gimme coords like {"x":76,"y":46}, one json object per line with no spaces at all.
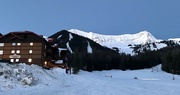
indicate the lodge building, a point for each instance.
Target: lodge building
{"x":27,"y":47}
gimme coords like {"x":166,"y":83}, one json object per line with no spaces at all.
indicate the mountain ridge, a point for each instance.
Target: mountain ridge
{"x":72,"y":41}
{"x":123,"y":43}
{"x":126,"y":43}
{"x":138,"y":38}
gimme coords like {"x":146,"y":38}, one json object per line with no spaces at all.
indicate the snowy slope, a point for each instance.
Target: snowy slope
{"x":56,"y":82}
{"x":122,"y":42}
{"x":139,"y":38}
{"x":176,"y":40}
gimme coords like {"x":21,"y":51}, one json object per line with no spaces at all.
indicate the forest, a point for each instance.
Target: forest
{"x":169,"y":57}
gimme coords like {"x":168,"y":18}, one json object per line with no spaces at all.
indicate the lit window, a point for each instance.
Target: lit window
{"x":18,"y":44}
{"x":12,"y":51}
{"x":45,"y":63}
{"x":17,"y":51}
{"x":1,"y":52}
{"x":29,"y":60}
{"x":1,"y":44}
{"x":30,"y":51}
{"x":17,"y":60}
{"x":31,"y":44}
{"x":13,"y":44}
{"x":12,"y":60}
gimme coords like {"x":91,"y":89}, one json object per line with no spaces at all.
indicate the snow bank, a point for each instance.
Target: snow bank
{"x":22,"y":79}
{"x":22,"y":75}
{"x":12,"y":75}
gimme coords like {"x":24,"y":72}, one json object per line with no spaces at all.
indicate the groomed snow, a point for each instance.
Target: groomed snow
{"x":89,"y":49}
{"x":59,"y":36}
{"x":68,"y":47}
{"x":70,"y":37}
{"x":113,"y":82}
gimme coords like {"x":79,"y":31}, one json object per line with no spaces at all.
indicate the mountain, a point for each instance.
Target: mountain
{"x":74,"y":42}
{"x":125,"y":43}
{"x":86,"y":53}
{"x":139,"y":38}
{"x":105,"y":52}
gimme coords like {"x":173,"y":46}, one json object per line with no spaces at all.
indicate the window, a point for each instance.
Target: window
{"x":30,"y":51}
{"x":18,"y":44}
{"x":17,"y":51}
{"x":12,"y":60}
{"x":1,"y":44}
{"x":13,"y":44}
{"x":45,"y":63}
{"x":12,"y":51}
{"x":31,"y":44}
{"x":17,"y":60}
{"x":29,"y":60}
{"x":1,"y":52}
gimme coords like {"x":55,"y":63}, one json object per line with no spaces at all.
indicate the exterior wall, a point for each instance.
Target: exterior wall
{"x":25,"y":47}
{"x":22,"y":52}
{"x":30,"y":48}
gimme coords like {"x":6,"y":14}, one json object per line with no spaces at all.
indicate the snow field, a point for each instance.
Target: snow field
{"x":56,"y":82}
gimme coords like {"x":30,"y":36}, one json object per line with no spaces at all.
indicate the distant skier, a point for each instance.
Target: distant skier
{"x":68,"y":70}
{"x":135,"y":78}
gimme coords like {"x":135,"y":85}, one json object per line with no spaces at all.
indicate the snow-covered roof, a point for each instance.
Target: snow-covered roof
{"x":60,"y":49}
{"x":59,"y":62}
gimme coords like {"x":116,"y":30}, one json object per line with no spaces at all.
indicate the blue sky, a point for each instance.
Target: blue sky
{"x":114,"y":17}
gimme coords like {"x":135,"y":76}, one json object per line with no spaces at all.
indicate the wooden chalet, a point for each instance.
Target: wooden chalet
{"x":26,"y":47}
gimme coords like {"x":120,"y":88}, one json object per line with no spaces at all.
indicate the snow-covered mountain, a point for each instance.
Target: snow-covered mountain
{"x":126,"y":43}
{"x":74,"y":42}
{"x":139,"y":38}
{"x":123,"y":42}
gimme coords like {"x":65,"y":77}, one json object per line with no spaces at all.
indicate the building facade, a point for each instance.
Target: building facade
{"x":25,"y":47}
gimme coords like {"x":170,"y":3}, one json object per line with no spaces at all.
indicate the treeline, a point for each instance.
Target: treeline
{"x":107,"y":60}
{"x":169,"y":57}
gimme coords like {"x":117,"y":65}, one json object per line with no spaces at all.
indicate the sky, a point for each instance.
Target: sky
{"x":111,"y":17}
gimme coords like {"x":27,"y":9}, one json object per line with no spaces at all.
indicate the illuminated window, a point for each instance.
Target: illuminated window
{"x":12,"y":60}
{"x":30,"y":51}
{"x":13,"y":44}
{"x":1,"y":52}
{"x":18,"y":44}
{"x":17,"y":51}
{"x":31,"y":44}
{"x":45,"y":63}
{"x":1,"y":44}
{"x":29,"y":60}
{"x":17,"y":60}
{"x":12,"y":51}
